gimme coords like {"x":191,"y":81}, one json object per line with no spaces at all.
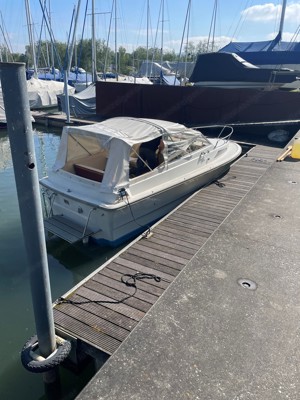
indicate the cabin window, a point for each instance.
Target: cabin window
{"x":86,"y":157}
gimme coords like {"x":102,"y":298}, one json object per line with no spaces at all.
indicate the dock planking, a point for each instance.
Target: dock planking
{"x":95,"y":318}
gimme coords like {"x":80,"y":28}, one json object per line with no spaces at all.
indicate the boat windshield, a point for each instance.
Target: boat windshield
{"x":184,"y":142}
{"x":175,"y":146}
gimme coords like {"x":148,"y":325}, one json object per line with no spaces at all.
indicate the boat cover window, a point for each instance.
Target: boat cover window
{"x":184,"y":142}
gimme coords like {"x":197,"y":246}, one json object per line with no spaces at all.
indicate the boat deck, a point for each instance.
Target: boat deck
{"x":100,"y":314}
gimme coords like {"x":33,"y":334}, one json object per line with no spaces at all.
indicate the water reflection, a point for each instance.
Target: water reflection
{"x":5,"y":155}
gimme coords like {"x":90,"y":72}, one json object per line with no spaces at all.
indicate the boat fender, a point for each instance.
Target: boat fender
{"x":34,"y":362}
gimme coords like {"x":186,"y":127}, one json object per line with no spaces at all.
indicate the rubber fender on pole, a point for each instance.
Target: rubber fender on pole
{"x":33,"y":362}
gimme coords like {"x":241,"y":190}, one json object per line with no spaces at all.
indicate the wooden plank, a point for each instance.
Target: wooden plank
{"x":210,"y":213}
{"x":121,"y":308}
{"x":254,"y":163}
{"x":126,"y":262}
{"x":157,"y":267}
{"x":154,"y":261}
{"x":242,"y":177}
{"x":241,"y":187}
{"x":225,"y":192}
{"x":163,"y":229}
{"x":211,"y":204}
{"x":105,"y":312}
{"x":159,"y":253}
{"x":115,"y":284}
{"x":127,"y":267}
{"x":114,"y":295}
{"x":144,"y":285}
{"x":158,"y":235}
{"x":219,"y":195}
{"x":83,"y":314}
{"x":167,"y":248}
{"x":162,"y":243}
{"x":200,"y":231}
{"x":191,"y":217}
{"x":245,"y":168}
{"x":194,"y":221}
{"x":84,"y":332}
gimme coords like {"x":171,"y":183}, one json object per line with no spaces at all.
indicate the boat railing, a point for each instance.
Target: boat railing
{"x":222,"y":129}
{"x":48,"y":200}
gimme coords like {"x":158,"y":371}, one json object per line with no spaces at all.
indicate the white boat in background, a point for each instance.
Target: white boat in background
{"x":3,"y":122}
{"x":94,"y":192}
{"x":43,"y":94}
{"x":83,"y":102}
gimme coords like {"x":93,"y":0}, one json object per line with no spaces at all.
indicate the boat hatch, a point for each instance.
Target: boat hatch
{"x":66,"y":229}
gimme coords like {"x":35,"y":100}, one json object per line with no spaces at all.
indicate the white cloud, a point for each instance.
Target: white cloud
{"x":292,"y":12}
{"x":270,"y":12}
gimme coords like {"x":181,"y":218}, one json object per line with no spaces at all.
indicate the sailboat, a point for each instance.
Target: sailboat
{"x":270,"y":53}
{"x":41,"y":93}
{"x":228,"y":70}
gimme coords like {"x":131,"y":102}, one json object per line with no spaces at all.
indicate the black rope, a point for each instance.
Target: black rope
{"x":123,"y":194}
{"x":129,"y":280}
{"x":218,"y":183}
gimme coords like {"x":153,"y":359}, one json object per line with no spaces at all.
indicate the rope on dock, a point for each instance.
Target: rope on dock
{"x":130,"y":281}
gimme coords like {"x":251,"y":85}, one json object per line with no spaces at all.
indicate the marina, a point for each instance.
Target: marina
{"x":150,"y":220}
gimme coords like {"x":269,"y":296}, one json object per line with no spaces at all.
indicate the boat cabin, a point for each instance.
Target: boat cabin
{"x":108,"y":152}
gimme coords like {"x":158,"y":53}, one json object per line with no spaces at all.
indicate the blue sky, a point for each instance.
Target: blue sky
{"x":243,"y":20}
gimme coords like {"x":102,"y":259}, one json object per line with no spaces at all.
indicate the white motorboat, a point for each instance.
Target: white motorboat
{"x":94,"y":190}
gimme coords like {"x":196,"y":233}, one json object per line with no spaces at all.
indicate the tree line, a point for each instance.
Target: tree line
{"x":127,"y":63}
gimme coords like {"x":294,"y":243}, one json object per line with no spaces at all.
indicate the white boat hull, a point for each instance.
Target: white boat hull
{"x":82,"y":205}
{"x":114,"y":226}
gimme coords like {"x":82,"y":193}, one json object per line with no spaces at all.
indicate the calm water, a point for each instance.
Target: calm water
{"x":67,"y":266}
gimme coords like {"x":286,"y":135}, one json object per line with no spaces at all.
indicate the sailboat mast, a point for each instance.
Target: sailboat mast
{"x":116,"y":48}
{"x":29,"y":23}
{"x":187,"y":38}
{"x":162,"y":38}
{"x":283,"y":8}
{"x":147,"y":53}
{"x":94,"y":64}
{"x":70,"y":53}
{"x":162,"y":32}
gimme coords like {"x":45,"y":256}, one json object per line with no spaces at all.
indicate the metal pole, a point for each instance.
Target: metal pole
{"x":116,"y":48}
{"x":31,"y":39}
{"x":94,"y":61}
{"x":19,"y":128}
{"x":66,"y":92}
{"x":70,"y":52}
{"x":283,"y":8}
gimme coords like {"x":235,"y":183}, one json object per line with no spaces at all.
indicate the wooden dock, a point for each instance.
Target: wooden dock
{"x":173,"y":243}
